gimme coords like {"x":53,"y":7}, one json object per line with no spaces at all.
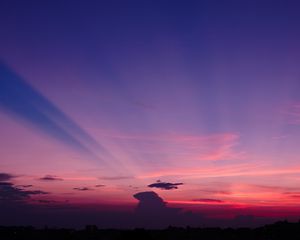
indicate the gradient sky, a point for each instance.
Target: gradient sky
{"x":99,"y":99}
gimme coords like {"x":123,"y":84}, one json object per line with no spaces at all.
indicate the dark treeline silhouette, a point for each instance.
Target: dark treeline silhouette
{"x":278,"y":230}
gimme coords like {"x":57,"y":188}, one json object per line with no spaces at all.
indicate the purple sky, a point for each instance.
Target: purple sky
{"x":197,"y":101}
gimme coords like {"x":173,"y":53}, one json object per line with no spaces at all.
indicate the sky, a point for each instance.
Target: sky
{"x":188,"y":108}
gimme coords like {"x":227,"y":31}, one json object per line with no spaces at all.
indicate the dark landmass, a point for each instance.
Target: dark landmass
{"x":278,"y":230}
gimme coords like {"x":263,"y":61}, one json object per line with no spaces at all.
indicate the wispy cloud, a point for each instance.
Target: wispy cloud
{"x":233,"y":170}
{"x":82,"y":189}
{"x":177,"y":146}
{"x":143,"y":105}
{"x":116,"y":178}
{"x":207,"y":200}
{"x":50,"y":178}
{"x":292,"y":113}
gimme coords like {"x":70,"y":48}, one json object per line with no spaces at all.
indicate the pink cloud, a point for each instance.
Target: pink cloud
{"x":183,"y":146}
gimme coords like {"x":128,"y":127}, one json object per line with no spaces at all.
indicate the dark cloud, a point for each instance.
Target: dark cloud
{"x":150,"y":203}
{"x":165,"y":185}
{"x":50,"y":178}
{"x":46,"y":201}
{"x":5,"y":177}
{"x":6,"y":184}
{"x":208,"y":200}
{"x":25,"y":186}
{"x":149,"y":200}
{"x":152,"y":211}
{"x":100,"y":185}
{"x":82,"y":189}
{"x":10,"y":193}
{"x":116,"y":178}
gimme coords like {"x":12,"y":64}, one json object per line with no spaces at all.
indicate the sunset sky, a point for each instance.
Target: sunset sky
{"x":198,"y":99}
